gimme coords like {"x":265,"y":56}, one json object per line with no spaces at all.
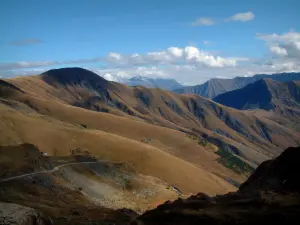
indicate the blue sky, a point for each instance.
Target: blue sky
{"x":211,"y":38}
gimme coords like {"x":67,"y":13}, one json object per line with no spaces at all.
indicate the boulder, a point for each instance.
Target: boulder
{"x":14,"y":214}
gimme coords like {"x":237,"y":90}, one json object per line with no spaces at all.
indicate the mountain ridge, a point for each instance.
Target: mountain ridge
{"x":221,"y":125}
{"x":217,"y":86}
{"x":151,"y":145}
{"x":163,"y":83}
{"x":267,"y":94}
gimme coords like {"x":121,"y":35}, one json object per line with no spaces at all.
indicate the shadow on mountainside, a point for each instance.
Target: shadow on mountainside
{"x":271,"y":195}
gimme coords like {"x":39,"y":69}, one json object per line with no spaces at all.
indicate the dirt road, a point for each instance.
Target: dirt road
{"x":46,"y":171}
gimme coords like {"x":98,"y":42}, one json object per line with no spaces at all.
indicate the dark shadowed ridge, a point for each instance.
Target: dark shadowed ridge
{"x":74,"y":76}
{"x":6,"y":89}
{"x":279,"y":175}
{"x":264,"y":94}
{"x":270,"y":196}
{"x":82,"y":88}
{"x":256,"y":95}
{"x":214,"y":87}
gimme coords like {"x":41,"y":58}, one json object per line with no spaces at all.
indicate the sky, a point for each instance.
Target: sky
{"x":188,"y":40}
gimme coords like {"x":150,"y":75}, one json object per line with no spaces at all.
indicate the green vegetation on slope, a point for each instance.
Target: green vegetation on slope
{"x":227,"y":159}
{"x":233,"y":162}
{"x":203,"y":142}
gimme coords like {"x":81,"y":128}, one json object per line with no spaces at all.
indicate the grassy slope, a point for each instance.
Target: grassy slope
{"x":184,"y":112}
{"x":56,"y":137}
{"x":168,"y":140}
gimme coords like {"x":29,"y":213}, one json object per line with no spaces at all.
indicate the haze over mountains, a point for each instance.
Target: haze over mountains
{"x":167,"y":84}
{"x":210,"y":89}
{"x":215,"y":86}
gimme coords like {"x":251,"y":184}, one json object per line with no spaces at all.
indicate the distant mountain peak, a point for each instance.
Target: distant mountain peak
{"x":72,"y":75}
{"x":217,"y":86}
{"x":163,"y":83}
{"x":140,"y":78}
{"x":267,"y":94}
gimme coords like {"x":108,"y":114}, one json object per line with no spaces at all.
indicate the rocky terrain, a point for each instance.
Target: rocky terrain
{"x":97,"y":147}
{"x":16,"y":214}
{"x":270,"y":196}
{"x":73,"y":188}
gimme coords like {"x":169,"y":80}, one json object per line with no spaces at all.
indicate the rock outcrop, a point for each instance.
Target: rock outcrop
{"x":271,"y":195}
{"x":278,"y":175}
{"x":14,"y":214}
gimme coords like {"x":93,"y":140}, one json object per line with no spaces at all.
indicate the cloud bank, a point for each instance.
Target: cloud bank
{"x":189,"y":64}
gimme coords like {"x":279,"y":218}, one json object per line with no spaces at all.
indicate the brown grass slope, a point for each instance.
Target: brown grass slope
{"x":168,"y":140}
{"x":247,"y":135}
{"x":57,"y":137}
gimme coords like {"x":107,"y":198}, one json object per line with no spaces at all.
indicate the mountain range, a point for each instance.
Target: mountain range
{"x":249,"y":135}
{"x":215,"y":86}
{"x":265,"y":94}
{"x":163,"y":83}
{"x":95,"y":144}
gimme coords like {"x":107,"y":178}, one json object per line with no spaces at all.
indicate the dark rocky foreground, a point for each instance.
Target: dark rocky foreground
{"x":271,"y":195}
{"x":16,"y":214}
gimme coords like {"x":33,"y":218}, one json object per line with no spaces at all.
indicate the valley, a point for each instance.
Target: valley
{"x":101,"y":146}
{"x":149,"y":112}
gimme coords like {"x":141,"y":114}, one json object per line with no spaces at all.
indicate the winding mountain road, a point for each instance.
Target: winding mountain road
{"x":45,"y":171}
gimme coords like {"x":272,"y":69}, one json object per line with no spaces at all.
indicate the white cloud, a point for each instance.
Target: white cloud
{"x":242,"y":17}
{"x":193,"y":54}
{"x":176,"y":52}
{"x":284,"y":45}
{"x":286,"y":37}
{"x":122,"y":74}
{"x":114,"y":56}
{"x":203,"y":21}
{"x":188,"y":55}
{"x":280,"y":66}
{"x":158,"y":57}
{"x":189,"y":64}
{"x":278,"y":50}
{"x":24,"y":64}
{"x":186,"y":73}
{"x":171,"y":56}
{"x":110,"y":77}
